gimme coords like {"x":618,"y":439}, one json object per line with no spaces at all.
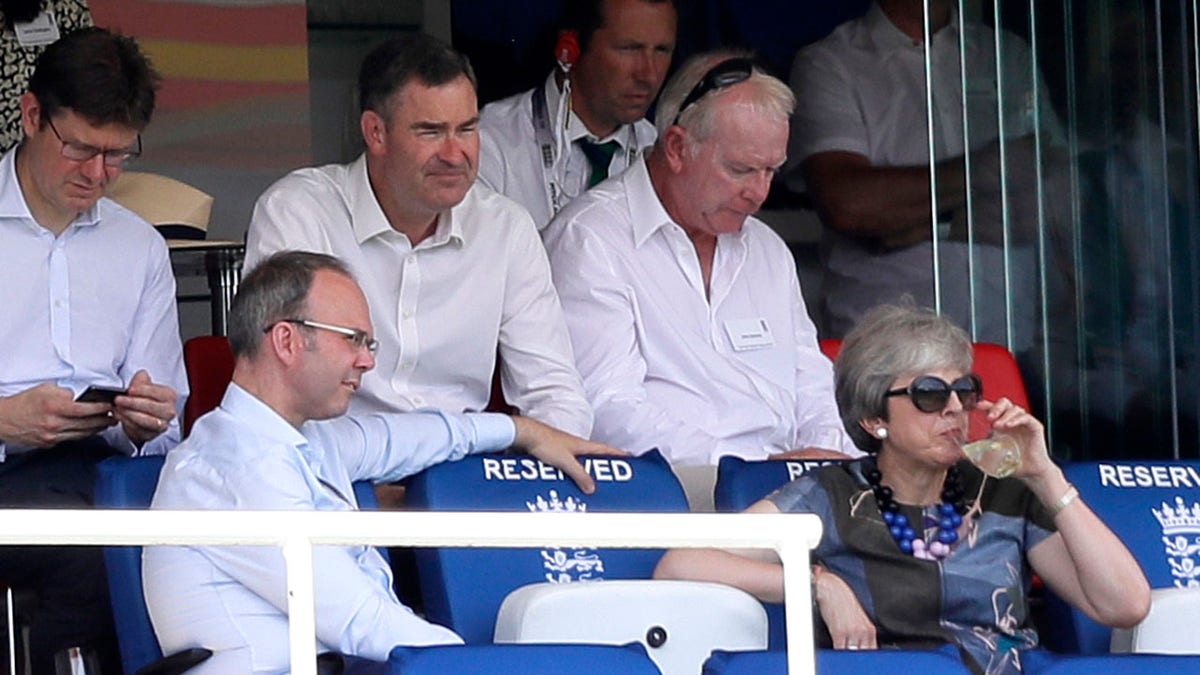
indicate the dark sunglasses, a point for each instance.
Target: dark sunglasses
{"x":931,"y":394}
{"x":724,"y":74}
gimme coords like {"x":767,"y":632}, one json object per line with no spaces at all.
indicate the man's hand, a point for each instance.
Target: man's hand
{"x":560,"y":449}
{"x":146,"y":409}
{"x":47,"y":415}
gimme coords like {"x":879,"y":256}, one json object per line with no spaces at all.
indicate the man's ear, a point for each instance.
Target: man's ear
{"x":675,"y":147}
{"x":374,"y":131}
{"x":286,"y":341}
{"x":31,"y":113}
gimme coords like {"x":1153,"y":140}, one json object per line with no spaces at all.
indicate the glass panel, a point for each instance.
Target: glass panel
{"x":1077,"y":245}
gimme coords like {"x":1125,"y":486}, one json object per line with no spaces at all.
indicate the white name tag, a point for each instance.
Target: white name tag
{"x":41,"y":31}
{"x":746,"y":334}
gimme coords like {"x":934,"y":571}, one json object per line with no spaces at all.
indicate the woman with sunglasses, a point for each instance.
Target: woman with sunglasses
{"x":920,"y":548}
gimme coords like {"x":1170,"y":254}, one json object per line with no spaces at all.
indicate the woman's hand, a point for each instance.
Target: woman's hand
{"x":1009,"y":418}
{"x":849,"y":626}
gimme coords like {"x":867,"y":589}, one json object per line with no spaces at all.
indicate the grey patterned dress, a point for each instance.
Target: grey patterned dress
{"x":16,"y":64}
{"x":975,"y":598}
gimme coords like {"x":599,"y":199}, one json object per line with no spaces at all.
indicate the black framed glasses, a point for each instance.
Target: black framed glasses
{"x":931,"y":394}
{"x":82,"y":152}
{"x":359,"y":338}
{"x":725,"y":74}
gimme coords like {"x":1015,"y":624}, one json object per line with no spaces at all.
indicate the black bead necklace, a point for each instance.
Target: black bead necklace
{"x":949,"y":516}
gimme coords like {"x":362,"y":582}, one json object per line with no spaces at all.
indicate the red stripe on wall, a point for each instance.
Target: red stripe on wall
{"x":281,"y":24}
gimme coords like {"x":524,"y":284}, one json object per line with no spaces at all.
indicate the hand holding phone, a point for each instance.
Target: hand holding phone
{"x":99,"y":395}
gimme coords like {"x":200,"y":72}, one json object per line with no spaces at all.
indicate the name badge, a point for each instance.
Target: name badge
{"x":747,"y":334}
{"x":41,"y":31}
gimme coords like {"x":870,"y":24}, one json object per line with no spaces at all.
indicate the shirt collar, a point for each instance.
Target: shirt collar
{"x":243,"y":405}
{"x":12,"y":200}
{"x":646,"y":210}
{"x":368,"y":219}
{"x":886,"y":38}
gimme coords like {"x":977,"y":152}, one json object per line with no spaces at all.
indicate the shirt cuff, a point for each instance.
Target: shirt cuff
{"x":493,"y":431}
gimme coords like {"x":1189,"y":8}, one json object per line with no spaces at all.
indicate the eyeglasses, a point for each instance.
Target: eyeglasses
{"x":82,"y":152}
{"x":931,"y":394}
{"x":724,"y":74}
{"x":358,"y":338}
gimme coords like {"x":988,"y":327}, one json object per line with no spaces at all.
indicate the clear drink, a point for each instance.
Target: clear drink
{"x":998,"y":455}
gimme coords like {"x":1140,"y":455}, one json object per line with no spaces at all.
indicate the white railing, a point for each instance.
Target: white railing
{"x":296,"y":532}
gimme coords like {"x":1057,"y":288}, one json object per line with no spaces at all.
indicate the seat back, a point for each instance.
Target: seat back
{"x":942,"y":661}
{"x":742,"y":482}
{"x":208,"y":360}
{"x":1043,"y":662}
{"x":129,"y":483}
{"x":998,"y":369}
{"x":680,"y":622}
{"x":1154,"y":508}
{"x":463,"y":588}
{"x":521,"y":659}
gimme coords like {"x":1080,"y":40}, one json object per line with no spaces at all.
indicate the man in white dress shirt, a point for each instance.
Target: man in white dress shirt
{"x":685,"y":311}
{"x":301,"y":334}
{"x":545,"y":146}
{"x":860,"y":140}
{"x":453,"y":271}
{"x":89,"y":300}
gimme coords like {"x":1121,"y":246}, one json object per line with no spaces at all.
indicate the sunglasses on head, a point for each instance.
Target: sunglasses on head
{"x":725,"y":74}
{"x":931,"y":394}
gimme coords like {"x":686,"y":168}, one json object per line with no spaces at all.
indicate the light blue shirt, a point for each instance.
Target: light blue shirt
{"x":243,"y":455}
{"x":90,"y":307}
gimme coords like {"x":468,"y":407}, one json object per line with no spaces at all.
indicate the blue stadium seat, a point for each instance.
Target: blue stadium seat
{"x":1154,"y":507}
{"x":942,"y":661}
{"x":129,"y":483}
{"x":522,"y":659}
{"x":1042,"y":662}
{"x":742,"y":482}
{"x":463,"y":588}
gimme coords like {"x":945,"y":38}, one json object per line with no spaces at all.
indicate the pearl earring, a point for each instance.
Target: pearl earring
{"x":881,"y":433}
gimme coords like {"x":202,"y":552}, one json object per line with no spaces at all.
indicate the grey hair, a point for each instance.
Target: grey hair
{"x":889,"y":342}
{"x":276,"y":289}
{"x":769,"y":95}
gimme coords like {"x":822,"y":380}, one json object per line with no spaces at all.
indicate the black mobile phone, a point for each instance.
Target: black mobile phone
{"x":99,"y":395}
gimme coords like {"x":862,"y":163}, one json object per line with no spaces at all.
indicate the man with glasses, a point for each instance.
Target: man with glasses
{"x":89,"y":301}
{"x":301,"y":334}
{"x":455,"y":273}
{"x":544,"y":147}
{"x":685,"y":312}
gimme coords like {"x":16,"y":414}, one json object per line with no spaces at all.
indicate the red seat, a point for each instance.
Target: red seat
{"x":208,"y":360}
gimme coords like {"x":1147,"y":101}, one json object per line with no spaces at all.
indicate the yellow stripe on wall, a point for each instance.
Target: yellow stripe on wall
{"x":228,"y":63}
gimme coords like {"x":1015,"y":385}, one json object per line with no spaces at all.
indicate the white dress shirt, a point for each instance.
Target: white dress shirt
{"x":862,"y":90}
{"x":510,"y":155}
{"x":90,"y":307}
{"x":439,"y":309}
{"x":243,"y":455}
{"x":666,"y":367}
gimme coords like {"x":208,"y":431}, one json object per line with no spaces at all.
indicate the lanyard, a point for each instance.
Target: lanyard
{"x":543,"y":133}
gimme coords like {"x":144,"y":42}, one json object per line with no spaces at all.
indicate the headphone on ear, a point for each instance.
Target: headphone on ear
{"x":566,"y":50}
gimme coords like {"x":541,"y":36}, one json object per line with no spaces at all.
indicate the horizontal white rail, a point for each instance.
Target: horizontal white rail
{"x":296,"y":532}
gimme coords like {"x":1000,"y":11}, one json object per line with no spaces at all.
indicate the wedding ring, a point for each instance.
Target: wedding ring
{"x":852,"y":648}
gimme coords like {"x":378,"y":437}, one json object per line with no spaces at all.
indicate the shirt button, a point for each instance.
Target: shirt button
{"x":418,"y":400}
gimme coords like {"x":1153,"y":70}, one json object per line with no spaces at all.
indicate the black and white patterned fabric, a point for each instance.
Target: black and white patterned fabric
{"x":16,"y":64}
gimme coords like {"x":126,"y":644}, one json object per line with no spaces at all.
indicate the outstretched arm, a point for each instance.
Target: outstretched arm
{"x":1084,"y":562}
